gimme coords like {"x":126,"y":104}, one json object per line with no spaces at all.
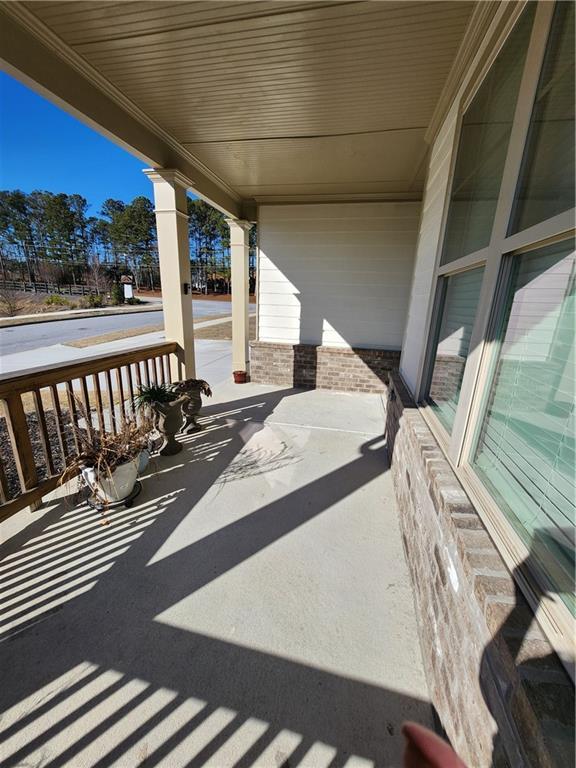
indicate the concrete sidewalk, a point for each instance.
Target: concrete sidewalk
{"x":60,"y":354}
{"x":253,"y":609}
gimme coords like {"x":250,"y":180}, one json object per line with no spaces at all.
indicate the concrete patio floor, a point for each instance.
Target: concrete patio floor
{"x":253,"y":609}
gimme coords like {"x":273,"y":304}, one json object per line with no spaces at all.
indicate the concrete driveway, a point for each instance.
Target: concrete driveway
{"x":254,"y":608}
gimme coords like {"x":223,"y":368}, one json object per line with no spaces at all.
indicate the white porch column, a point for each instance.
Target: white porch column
{"x":239,"y":250}
{"x":171,"y":210}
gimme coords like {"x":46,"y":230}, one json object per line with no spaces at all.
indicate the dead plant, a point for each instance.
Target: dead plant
{"x":104,"y":451}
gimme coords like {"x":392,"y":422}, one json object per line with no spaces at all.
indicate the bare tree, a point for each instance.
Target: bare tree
{"x":98,"y":278}
{"x":11,"y":302}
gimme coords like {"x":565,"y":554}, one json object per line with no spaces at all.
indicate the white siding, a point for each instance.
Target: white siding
{"x":335,"y":274}
{"x":422,"y":293}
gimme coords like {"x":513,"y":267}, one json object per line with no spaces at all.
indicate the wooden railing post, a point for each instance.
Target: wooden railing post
{"x":20,"y":440}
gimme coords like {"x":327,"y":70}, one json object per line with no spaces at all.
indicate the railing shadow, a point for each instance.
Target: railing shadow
{"x":93,"y":677}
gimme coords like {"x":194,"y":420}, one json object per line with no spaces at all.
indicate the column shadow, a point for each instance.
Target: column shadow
{"x":112,"y":627}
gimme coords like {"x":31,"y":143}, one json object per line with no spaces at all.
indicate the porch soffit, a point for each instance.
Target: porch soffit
{"x":277,"y":99}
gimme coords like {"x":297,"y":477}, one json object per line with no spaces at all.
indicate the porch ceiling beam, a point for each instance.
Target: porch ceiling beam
{"x":49,"y":67}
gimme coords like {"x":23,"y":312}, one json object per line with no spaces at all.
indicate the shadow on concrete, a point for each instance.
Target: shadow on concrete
{"x":85,"y":657}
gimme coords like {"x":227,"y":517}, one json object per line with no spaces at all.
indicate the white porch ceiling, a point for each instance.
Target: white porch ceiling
{"x":279,"y":99}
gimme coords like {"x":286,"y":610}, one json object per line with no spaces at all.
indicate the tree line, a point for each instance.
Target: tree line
{"x":51,"y":237}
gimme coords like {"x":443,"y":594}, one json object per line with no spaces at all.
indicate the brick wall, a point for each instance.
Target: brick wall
{"x":309,"y":366}
{"x":501,"y":694}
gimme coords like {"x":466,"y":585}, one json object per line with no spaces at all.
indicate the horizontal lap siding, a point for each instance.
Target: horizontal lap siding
{"x":422,"y":292}
{"x":336,"y":274}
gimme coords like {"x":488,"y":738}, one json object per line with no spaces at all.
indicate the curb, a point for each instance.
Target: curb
{"x":51,"y":317}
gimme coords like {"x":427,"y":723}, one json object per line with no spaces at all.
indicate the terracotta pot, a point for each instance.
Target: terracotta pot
{"x":240,"y":377}
{"x":168,"y":420}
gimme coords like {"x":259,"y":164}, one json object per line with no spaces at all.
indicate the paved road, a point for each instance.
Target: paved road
{"x":22,"y":338}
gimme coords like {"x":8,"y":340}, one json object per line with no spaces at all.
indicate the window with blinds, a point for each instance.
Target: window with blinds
{"x":460,"y":300}
{"x":525,"y":449}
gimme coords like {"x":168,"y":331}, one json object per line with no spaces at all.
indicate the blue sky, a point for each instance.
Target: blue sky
{"x":43,"y":147}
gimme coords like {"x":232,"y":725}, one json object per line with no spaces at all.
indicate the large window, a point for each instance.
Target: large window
{"x":484,"y":138}
{"x":525,"y":450}
{"x":501,"y":374}
{"x":546,"y":184}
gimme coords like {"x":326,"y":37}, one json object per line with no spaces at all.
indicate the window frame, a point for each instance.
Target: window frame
{"x":497,"y":259}
{"x":435,"y":327}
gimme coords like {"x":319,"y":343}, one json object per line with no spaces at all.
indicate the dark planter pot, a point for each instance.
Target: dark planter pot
{"x":168,"y":421}
{"x":191,"y":405}
{"x":240,"y":377}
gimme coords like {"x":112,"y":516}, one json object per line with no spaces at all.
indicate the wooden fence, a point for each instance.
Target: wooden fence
{"x":40,"y":415}
{"x":21,"y":286}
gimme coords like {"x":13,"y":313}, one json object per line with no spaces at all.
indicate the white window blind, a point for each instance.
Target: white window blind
{"x":525,"y":451}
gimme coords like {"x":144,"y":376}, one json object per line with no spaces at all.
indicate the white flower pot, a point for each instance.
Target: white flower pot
{"x":116,"y":487}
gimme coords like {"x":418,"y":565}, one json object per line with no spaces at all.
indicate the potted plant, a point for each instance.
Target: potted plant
{"x":109,"y":462}
{"x":170,"y":404}
{"x":164,"y":406}
{"x":191,"y":390}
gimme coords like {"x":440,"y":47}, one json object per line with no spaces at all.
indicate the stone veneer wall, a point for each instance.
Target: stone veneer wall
{"x":500,"y":692}
{"x":309,"y":366}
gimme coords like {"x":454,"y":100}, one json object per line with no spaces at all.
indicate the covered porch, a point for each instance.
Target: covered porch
{"x":254,"y":608}
{"x":322,"y":110}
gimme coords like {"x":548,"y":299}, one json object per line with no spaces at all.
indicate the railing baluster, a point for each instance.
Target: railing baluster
{"x":130,"y":387}
{"x":4,"y":489}
{"x":158,"y":366}
{"x":59,"y":421}
{"x":146,"y":372}
{"x":20,"y":440}
{"x":98,"y":398}
{"x":43,"y":430}
{"x":73,"y":414}
{"x":166,"y":361}
{"x":138,"y":375}
{"x":121,"y":393}
{"x":150,"y":362}
{"x":86,"y":399}
{"x":111,"y":401}
{"x":138,"y":387}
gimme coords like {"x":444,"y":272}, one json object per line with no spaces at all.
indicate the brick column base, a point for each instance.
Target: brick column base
{"x":310,"y":366}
